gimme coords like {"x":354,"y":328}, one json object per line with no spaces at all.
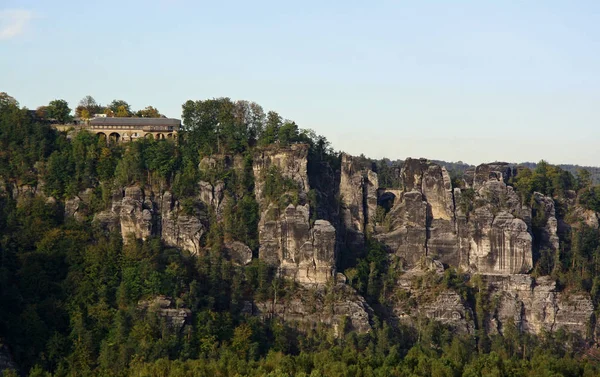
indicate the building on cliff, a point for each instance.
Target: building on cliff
{"x":127,"y":129}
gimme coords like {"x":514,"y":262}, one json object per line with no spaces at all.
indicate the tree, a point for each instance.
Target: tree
{"x":148,"y":112}
{"x":271,"y":132}
{"x":88,"y":103}
{"x":288,"y":133}
{"x":584,"y":178}
{"x":120,"y":108}
{"x":59,"y":110}
{"x":6,"y":100}
{"x":85,"y":114}
{"x":122,"y":112}
{"x":42,"y":112}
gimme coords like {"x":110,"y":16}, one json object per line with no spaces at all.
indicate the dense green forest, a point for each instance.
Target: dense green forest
{"x":71,"y":293}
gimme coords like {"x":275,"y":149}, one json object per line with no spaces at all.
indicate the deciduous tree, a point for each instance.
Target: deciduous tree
{"x":59,"y":110}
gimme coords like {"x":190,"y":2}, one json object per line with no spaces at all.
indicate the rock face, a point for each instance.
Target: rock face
{"x":422,"y":220}
{"x":76,"y":207}
{"x":480,"y":228}
{"x":536,"y":305}
{"x":140,"y":215}
{"x":164,"y":307}
{"x":212,"y":195}
{"x":136,"y":214}
{"x":544,"y":216}
{"x":494,"y":231}
{"x":417,"y":297}
{"x":308,"y":308}
{"x":239,"y":253}
{"x":291,"y":162}
{"x":181,"y":230}
{"x":484,"y":229}
{"x":302,"y":251}
{"x":358,"y":203}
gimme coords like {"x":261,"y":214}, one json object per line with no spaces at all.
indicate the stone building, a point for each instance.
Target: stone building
{"x":128,"y":129}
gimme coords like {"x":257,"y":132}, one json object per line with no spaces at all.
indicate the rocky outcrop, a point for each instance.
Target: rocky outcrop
{"x":301,"y":252}
{"x":545,"y":222}
{"x":493,"y":226}
{"x":301,"y":248}
{"x":422,"y":220}
{"x":78,"y":206}
{"x":140,"y":215}
{"x":212,"y":195}
{"x":407,"y":233}
{"x":450,"y":309}
{"x":136,"y":214}
{"x":484,"y":228}
{"x":418,"y":295}
{"x":164,"y":307}
{"x":495,"y":171}
{"x":179,"y":229}
{"x":358,"y":195}
{"x":336,"y":307}
{"x":238,"y":253}
{"x":291,"y":162}
{"x":535,"y":305}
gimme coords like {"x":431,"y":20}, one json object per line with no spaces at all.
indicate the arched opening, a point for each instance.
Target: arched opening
{"x":169,"y":136}
{"x":149,"y":136}
{"x":160,"y":137}
{"x":114,"y":137}
{"x":101,"y":136}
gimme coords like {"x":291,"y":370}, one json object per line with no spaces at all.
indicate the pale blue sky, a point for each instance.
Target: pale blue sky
{"x":474,"y":81}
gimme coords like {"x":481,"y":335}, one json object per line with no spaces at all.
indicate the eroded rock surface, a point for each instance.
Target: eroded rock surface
{"x":180,"y":229}
{"x":136,"y":214}
{"x":165,"y":308}
{"x":311,"y":307}
{"x":302,"y":252}
{"x":535,"y":305}
{"x":301,"y":248}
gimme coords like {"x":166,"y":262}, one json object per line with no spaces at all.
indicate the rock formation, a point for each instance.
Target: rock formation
{"x":179,"y":229}
{"x":165,"y":308}
{"x":331,"y":306}
{"x":481,"y":227}
{"x":301,"y":249}
{"x":136,"y":214}
{"x":140,"y":215}
{"x":535,"y":305}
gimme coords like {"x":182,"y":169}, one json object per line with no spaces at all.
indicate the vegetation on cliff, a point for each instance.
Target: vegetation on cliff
{"x":71,"y":293}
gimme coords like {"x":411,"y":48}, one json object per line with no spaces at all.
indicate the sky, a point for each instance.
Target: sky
{"x":473,"y":81}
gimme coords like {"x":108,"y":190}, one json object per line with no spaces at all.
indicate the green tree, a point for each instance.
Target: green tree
{"x":271,"y":132}
{"x":120,"y":108}
{"x":88,"y":103}
{"x":148,"y":112}
{"x":59,"y":110}
{"x":6,"y":100}
{"x":288,"y":133}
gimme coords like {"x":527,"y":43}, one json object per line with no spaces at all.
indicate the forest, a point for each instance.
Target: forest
{"x":72,"y":294}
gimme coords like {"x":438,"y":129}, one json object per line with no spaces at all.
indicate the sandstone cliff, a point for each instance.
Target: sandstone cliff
{"x":336,"y":306}
{"x":479,"y":227}
{"x":301,"y":248}
{"x":140,"y":215}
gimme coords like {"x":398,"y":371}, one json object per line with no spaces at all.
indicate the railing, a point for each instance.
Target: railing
{"x":129,"y":127}
{"x":158,"y":128}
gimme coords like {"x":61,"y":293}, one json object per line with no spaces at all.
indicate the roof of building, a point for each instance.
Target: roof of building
{"x":135,"y":122}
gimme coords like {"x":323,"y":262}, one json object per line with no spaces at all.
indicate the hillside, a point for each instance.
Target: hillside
{"x":248,"y":246}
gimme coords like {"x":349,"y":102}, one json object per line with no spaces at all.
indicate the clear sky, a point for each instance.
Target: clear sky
{"x":475,"y":81}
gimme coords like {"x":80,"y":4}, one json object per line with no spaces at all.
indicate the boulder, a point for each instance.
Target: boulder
{"x":238,"y":252}
{"x":164,"y":307}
